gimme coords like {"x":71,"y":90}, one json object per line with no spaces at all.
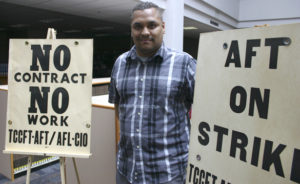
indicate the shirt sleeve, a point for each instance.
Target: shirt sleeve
{"x":190,"y":81}
{"x":113,"y":96}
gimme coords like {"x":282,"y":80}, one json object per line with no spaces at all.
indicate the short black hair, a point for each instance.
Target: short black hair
{"x":146,"y":5}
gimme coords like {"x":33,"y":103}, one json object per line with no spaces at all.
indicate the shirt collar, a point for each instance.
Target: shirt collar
{"x":132,"y":55}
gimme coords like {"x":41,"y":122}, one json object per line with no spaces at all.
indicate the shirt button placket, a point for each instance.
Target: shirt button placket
{"x":138,"y":146}
{"x":136,"y":175}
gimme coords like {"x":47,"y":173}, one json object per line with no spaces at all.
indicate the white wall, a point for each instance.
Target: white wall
{"x":243,"y":13}
{"x":173,"y":17}
{"x":272,"y":12}
{"x":205,"y":11}
{"x":228,"y":14}
{"x":229,"y":7}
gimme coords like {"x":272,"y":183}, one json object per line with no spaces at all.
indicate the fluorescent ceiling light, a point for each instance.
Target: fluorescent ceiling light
{"x":72,"y":31}
{"x":189,"y":28}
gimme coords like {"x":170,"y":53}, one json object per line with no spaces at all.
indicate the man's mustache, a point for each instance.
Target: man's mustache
{"x":146,"y":38}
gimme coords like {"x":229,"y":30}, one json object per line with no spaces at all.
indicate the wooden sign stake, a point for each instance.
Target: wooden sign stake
{"x":29,"y":163}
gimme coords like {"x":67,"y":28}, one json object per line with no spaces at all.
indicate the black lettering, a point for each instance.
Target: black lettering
{"x":64,"y":100}
{"x":85,"y":139}
{"x":250,"y":52}
{"x":29,"y":131}
{"x":54,"y":78}
{"x":238,"y":108}
{"x":41,"y":100}
{"x":73,"y":78}
{"x":46,"y":77}
{"x":191,"y":171}
{"x":41,"y":136}
{"x":274,"y":43}
{"x":52,"y":137}
{"x":65,"y":78}
{"x":69,"y":141}
{"x":241,"y":145}
{"x":196,"y":173}
{"x":46,"y":137}
{"x":54,"y":120}
{"x":202,"y":175}
{"x":44,"y":120}
{"x":204,"y":139}
{"x":255,"y":151}
{"x":295,"y":172}
{"x":214,"y":179}
{"x":206,"y":177}
{"x":16,"y":75}
{"x":270,"y":157}
{"x":32,"y":119}
{"x":233,"y":55}
{"x":24,"y":136}
{"x":221,"y":131}
{"x":26,"y":77}
{"x":59,"y":139}
{"x":63,"y":121}
{"x":262,"y":104}
{"x":66,"y":57}
{"x":10,"y":135}
{"x":20,"y":136}
{"x":36,"y":77}
{"x":81,"y":139}
{"x":15,"y":138}
{"x":64,"y":137}
{"x":37,"y":54}
{"x":36,"y":137}
{"x":224,"y":182}
{"x":82,"y":77}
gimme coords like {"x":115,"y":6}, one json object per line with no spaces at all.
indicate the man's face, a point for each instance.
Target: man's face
{"x":147,"y":31}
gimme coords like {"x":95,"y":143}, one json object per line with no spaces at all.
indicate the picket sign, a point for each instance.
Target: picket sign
{"x":51,"y":34}
{"x":246,"y":110}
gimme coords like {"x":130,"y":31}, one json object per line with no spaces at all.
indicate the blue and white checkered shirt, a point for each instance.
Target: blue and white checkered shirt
{"x":154,"y":98}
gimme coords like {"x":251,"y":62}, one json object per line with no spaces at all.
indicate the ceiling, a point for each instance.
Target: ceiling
{"x":86,"y":18}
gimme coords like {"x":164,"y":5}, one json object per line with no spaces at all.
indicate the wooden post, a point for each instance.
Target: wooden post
{"x":76,"y":170}
{"x":12,"y":167}
{"x":51,"y":34}
{"x":29,"y":163}
{"x":62,"y":170}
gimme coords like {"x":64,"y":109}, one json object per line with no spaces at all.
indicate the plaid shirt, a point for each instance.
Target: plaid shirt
{"x":154,"y":98}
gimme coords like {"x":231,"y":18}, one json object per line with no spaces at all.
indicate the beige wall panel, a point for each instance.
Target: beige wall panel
{"x":101,"y":166}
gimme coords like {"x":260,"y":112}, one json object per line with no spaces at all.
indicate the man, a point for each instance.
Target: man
{"x":152,"y":89}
